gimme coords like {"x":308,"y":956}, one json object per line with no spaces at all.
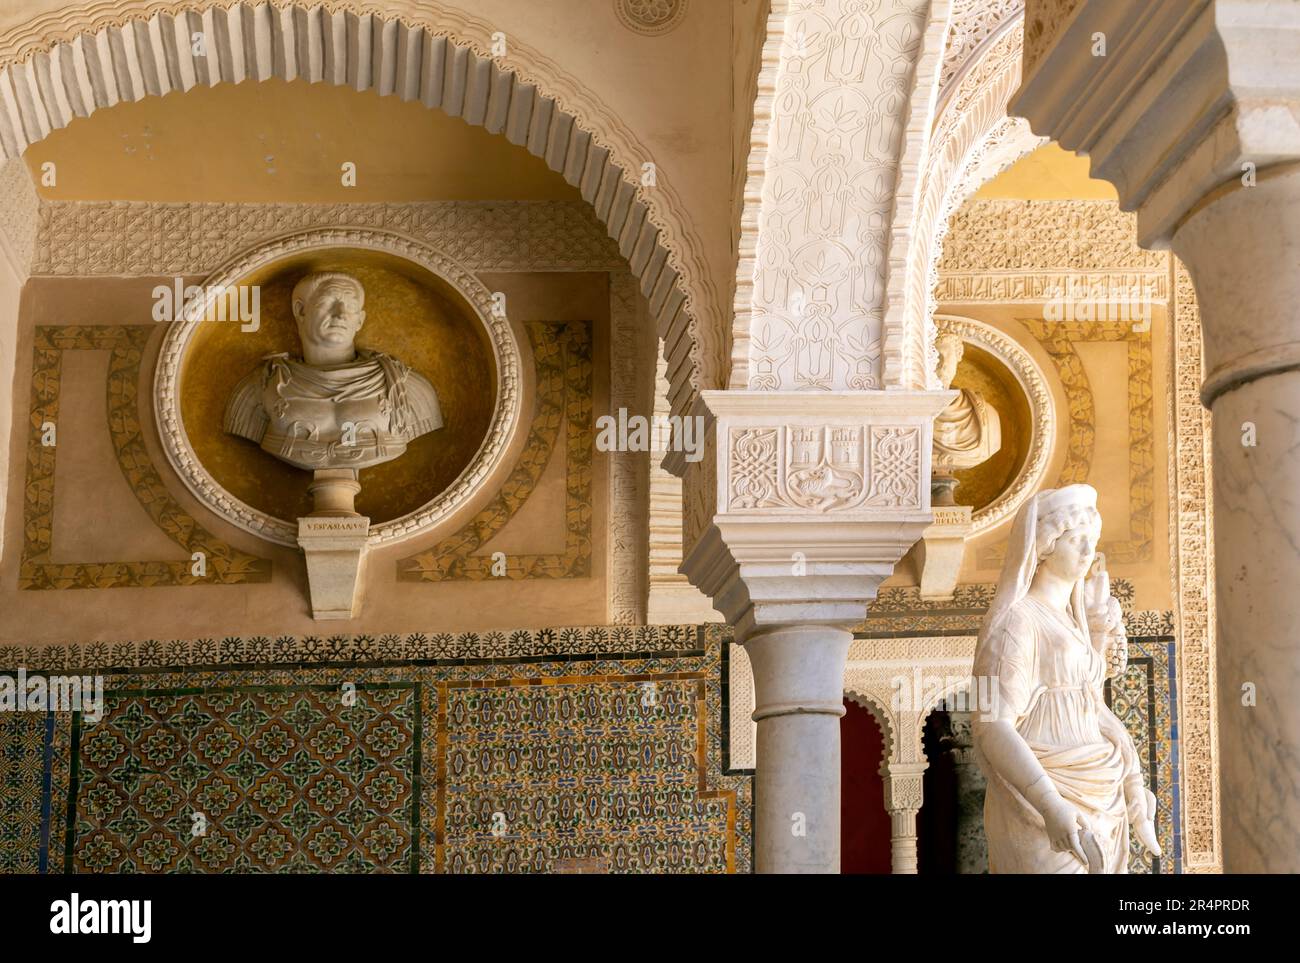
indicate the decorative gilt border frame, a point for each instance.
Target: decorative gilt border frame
{"x":1059,"y":340}
{"x":564,"y":389}
{"x":487,"y":461}
{"x":227,"y":565}
{"x":1030,"y":377}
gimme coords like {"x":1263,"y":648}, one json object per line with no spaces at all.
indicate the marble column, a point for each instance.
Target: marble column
{"x":972,"y":848}
{"x":798,"y":688}
{"x":1242,"y":250}
{"x":1204,"y":143}
{"x":903,"y":797}
{"x":814,"y":499}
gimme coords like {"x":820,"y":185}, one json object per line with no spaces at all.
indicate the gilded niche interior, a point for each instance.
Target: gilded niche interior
{"x":980,"y":372}
{"x":410,"y":314}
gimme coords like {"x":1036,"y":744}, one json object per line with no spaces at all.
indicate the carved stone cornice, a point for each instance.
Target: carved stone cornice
{"x":817,"y":497}
{"x":1187,"y":92}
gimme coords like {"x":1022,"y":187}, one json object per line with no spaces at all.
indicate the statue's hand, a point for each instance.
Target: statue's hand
{"x":1142,"y":815}
{"x":1064,"y":823}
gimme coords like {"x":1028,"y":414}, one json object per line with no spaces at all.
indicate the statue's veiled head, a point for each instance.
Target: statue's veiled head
{"x":329,"y":310}
{"x":950,"y":348}
{"x":1067,"y":532}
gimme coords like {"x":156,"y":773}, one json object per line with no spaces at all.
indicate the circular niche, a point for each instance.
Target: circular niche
{"x":1003,"y":372}
{"x":983,"y":374}
{"x":421,"y":308}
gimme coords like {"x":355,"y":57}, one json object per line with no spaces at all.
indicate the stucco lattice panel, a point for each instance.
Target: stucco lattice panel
{"x":84,"y":238}
{"x":1004,"y":234}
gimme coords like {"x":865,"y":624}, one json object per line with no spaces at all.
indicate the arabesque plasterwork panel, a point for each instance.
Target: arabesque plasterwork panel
{"x":838,"y":126}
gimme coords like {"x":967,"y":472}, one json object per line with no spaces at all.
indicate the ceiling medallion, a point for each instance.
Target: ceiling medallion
{"x":650,"y":17}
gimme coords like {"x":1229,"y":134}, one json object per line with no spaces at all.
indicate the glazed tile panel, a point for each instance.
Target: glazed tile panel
{"x":248,"y":779}
{"x":552,"y":758}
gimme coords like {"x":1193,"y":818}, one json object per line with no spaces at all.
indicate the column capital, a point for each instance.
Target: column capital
{"x":815,"y":496}
{"x":1185,"y":93}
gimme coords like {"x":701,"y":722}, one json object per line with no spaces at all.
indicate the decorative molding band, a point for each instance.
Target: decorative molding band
{"x":972,"y":25}
{"x":564,"y":389}
{"x":1039,"y":287}
{"x":224,"y":564}
{"x":86,"y":238}
{"x":904,"y":348}
{"x":502,"y":646}
{"x":486,"y":463}
{"x":967,"y":113}
{"x":1059,"y":340}
{"x":1191,"y":527}
{"x":60,"y":66}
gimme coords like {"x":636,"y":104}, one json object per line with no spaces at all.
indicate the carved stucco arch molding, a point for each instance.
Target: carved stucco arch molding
{"x":885,"y":719}
{"x":822,"y":148}
{"x":876,"y":672}
{"x":69,"y":63}
{"x":1042,"y":408}
{"x":971,"y":141}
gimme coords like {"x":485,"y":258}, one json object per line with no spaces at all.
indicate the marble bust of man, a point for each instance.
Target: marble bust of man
{"x":968,"y":431}
{"x":336,"y":407}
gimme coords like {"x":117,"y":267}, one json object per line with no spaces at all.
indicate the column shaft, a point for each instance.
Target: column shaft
{"x":798,"y":695}
{"x":1242,"y":249}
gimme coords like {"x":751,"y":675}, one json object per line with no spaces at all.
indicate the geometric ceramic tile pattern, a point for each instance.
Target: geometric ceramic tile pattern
{"x":582,"y":750}
{"x":33,"y":758}
{"x":1143,"y":698}
{"x":248,"y":779}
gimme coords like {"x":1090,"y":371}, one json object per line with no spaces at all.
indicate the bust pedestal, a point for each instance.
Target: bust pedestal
{"x":333,"y":539}
{"x":940,"y":551}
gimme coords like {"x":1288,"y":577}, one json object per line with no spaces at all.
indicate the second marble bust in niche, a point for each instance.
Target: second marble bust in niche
{"x":966,"y":433}
{"x":338,"y":406}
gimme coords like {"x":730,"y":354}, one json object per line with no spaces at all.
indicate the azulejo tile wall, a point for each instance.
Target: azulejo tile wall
{"x":578,"y":750}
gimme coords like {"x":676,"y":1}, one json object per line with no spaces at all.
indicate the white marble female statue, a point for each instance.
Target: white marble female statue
{"x":1064,"y":781}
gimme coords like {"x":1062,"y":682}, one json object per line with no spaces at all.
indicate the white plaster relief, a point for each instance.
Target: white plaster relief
{"x":835,"y":102}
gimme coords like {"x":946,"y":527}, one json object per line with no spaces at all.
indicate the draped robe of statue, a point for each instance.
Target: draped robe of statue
{"x":966,"y":433}
{"x":1049,"y":675}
